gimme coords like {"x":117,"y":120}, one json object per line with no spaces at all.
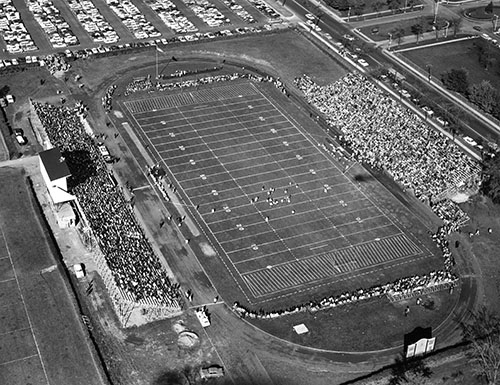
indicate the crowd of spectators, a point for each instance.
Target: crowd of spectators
{"x":130,"y":257}
{"x":107,"y":99}
{"x":384,"y":134}
{"x":55,"y":63}
{"x":403,"y":285}
{"x":146,"y":84}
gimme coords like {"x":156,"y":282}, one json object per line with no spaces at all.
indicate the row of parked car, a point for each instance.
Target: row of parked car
{"x":239,"y":10}
{"x":174,"y":19}
{"x":266,"y":9}
{"x":54,"y":25}
{"x":93,"y":22}
{"x":12,"y":29}
{"x":133,"y":19}
{"x":490,"y":39}
{"x":207,"y":12}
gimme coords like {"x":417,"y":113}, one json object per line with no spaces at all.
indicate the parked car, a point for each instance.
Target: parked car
{"x":211,"y":372}
{"x":470,"y":141}
{"x":21,"y":139}
{"x":363,"y":62}
{"x":105,"y":153}
{"x":79,"y":271}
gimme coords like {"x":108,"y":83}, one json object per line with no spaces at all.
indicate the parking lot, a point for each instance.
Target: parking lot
{"x":40,"y":27}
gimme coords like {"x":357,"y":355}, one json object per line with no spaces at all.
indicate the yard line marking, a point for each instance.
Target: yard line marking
{"x":225,"y":147}
{"x":19,"y":359}
{"x":207,"y":122}
{"x":147,"y":186}
{"x":183,"y":135}
{"x":259,"y":183}
{"x":288,"y":176}
{"x":253,"y":111}
{"x":14,"y":331}
{"x":319,"y":247}
{"x":248,"y":224}
{"x":274,"y":163}
{"x":238,"y":160}
{"x":236,"y":150}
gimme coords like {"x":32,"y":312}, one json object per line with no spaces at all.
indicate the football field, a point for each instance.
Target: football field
{"x":278,"y":207}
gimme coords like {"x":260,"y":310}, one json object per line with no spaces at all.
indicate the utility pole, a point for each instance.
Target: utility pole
{"x":436,"y":8}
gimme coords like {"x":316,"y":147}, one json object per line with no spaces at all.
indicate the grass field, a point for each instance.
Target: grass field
{"x":281,"y":213}
{"x":462,"y":54}
{"x":41,"y":338}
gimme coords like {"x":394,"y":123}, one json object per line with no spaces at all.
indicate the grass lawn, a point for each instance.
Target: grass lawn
{"x":479,"y":13}
{"x":53,"y":331}
{"x":367,"y":325}
{"x":461,"y":54}
{"x":385,"y":29}
{"x":372,"y":6}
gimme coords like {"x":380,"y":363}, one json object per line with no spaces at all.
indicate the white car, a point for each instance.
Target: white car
{"x":310,"y":16}
{"x":363,"y":62}
{"x":20,"y":138}
{"x":79,"y":272}
{"x":202,"y":315}
{"x":105,"y":153}
{"x":470,"y":141}
{"x":211,"y":372}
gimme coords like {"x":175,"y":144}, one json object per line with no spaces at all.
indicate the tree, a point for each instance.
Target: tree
{"x":377,"y":6}
{"x":417,"y":30}
{"x":484,"y":53}
{"x":491,"y":178}
{"x":394,"y":4}
{"x":411,"y":371}
{"x":457,"y":23}
{"x":482,"y":332}
{"x":484,"y":95}
{"x":489,"y":8}
{"x":456,"y":80}
{"x":397,"y":34}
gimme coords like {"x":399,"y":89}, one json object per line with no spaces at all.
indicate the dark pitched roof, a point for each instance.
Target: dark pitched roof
{"x":54,"y":163}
